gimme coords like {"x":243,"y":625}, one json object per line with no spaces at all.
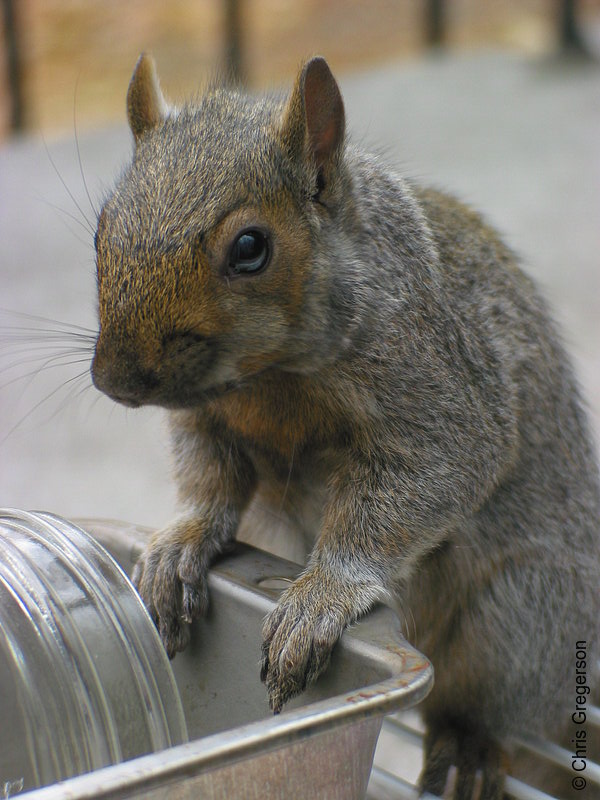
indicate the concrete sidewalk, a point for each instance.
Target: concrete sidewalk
{"x":519,"y":140}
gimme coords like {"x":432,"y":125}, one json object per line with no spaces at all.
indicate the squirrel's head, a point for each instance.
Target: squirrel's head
{"x":214,"y":252}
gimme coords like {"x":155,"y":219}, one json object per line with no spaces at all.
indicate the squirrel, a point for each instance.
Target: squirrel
{"x":334,"y":337}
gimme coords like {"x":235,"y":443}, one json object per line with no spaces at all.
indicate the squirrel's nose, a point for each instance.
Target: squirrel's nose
{"x":120,"y":374}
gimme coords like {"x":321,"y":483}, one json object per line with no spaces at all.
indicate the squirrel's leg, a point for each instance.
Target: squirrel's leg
{"x":347,"y":572}
{"x":215,"y":481}
{"x":461,"y":765}
{"x":299,"y":634}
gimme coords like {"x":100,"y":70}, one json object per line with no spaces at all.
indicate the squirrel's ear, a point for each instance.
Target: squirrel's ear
{"x":314,"y":120}
{"x":146,"y":105}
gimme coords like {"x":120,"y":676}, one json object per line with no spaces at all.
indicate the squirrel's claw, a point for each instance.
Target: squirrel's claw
{"x":298,"y":637}
{"x":175,"y":635}
{"x":171,"y":580}
{"x":194,"y":601}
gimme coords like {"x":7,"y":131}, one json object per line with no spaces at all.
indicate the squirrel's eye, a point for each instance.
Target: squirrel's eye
{"x":249,"y":253}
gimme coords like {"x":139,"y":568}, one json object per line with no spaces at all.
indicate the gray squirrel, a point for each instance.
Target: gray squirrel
{"x":338,"y":340}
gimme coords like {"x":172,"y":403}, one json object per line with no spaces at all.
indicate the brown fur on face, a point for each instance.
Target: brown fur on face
{"x":244,"y":324}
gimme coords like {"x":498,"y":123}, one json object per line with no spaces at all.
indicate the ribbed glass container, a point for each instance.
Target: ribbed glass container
{"x":84,"y":679}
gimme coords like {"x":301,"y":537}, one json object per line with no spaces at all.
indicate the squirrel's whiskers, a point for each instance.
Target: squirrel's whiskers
{"x":31,"y":346}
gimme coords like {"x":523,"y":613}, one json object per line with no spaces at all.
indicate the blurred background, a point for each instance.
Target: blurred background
{"x":58,"y":54}
{"x":497,"y":101}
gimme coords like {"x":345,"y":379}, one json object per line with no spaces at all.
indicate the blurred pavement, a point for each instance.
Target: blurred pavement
{"x":518,"y":139}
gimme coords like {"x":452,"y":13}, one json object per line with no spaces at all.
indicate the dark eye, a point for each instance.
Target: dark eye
{"x":249,"y":253}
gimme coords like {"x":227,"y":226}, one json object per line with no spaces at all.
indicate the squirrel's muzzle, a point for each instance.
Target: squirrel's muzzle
{"x":120,"y":375}
{"x":172,"y":373}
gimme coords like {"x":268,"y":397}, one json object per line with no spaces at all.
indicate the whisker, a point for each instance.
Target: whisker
{"x":51,"y":363}
{"x":30,"y":347}
{"x":44,"y":399}
{"x":17,"y":369}
{"x":21,"y":339}
{"x":90,"y":227}
{"x":64,"y":213}
{"x":81,"y":170}
{"x":78,"y":378}
{"x":28,"y":379}
{"x":44,"y":361}
{"x":29,"y":344}
{"x":60,"y":326}
{"x":85,"y":388}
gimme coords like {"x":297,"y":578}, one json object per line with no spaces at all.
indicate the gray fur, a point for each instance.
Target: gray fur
{"x":430,"y":419}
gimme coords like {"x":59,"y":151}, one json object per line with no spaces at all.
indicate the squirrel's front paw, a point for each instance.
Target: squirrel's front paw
{"x":171,"y":579}
{"x":298,"y":637}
